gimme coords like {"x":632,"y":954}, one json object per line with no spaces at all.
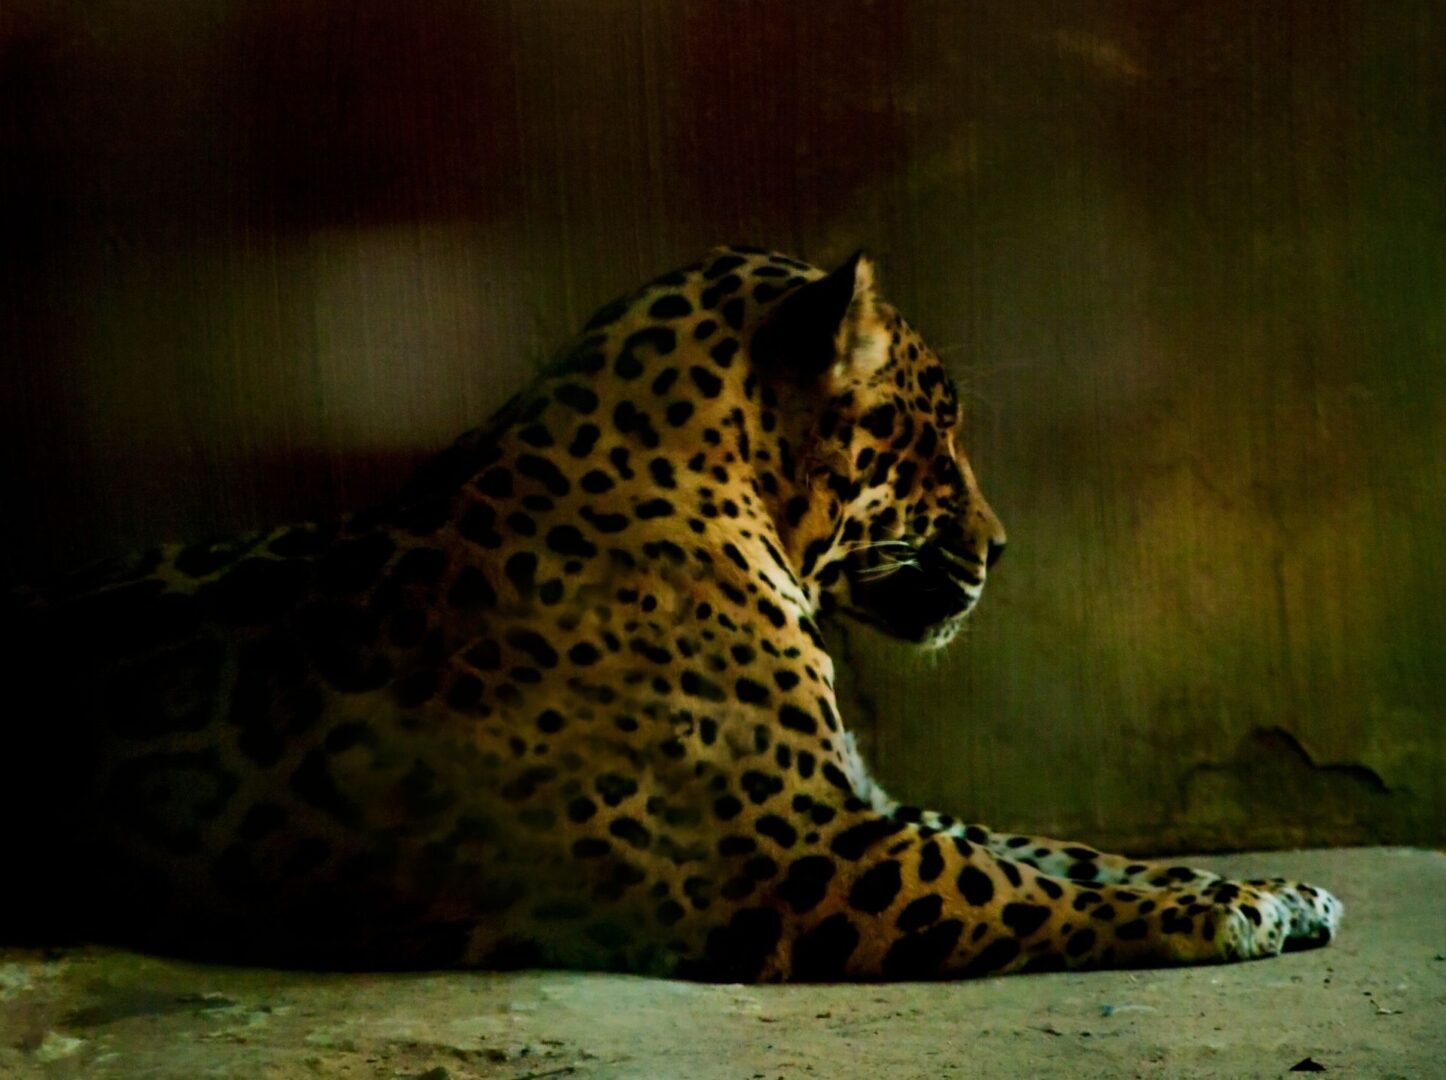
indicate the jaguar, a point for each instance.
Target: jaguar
{"x":565,"y":701}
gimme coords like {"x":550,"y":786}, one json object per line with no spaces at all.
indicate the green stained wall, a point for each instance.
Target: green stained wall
{"x":1188,"y":259}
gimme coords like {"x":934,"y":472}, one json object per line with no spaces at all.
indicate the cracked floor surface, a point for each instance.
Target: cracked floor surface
{"x":1372,"y":1005}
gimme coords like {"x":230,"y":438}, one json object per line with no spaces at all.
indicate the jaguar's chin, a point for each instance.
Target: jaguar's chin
{"x":943,"y":634}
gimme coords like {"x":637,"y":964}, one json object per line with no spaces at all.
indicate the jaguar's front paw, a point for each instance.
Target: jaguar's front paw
{"x":1314,"y":914}
{"x":1268,"y":917}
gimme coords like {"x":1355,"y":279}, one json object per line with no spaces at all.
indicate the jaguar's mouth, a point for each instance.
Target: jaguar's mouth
{"x":920,"y":593}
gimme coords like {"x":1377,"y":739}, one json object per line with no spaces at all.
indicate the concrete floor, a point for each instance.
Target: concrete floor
{"x":1372,"y":1005}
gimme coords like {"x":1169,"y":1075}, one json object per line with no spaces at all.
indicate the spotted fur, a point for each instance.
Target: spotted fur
{"x":566,"y":701}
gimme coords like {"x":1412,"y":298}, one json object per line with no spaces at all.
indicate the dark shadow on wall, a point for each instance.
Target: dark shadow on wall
{"x":160,"y":166}
{"x":1272,"y":788}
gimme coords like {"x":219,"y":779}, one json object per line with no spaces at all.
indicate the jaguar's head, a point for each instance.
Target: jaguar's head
{"x":887,"y":522}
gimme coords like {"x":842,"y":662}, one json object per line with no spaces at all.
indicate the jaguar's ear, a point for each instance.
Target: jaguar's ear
{"x":829,"y":327}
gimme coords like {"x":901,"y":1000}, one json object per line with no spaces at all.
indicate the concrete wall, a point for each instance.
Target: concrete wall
{"x":258,"y":259}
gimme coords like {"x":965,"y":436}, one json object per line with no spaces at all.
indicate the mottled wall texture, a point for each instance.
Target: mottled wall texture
{"x":258,"y":259}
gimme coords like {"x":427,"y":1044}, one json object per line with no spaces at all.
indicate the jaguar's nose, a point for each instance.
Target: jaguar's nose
{"x":996,"y":551}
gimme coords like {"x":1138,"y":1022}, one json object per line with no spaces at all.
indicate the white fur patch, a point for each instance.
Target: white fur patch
{"x":864,"y":785}
{"x":869,"y":351}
